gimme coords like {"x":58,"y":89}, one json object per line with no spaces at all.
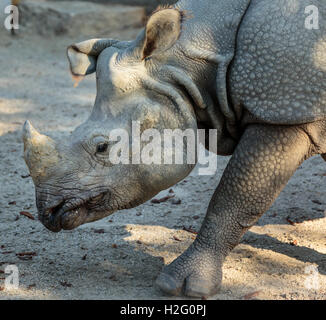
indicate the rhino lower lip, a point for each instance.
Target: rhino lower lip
{"x":67,"y":218}
{"x":59,"y":219}
{"x":73,"y":218}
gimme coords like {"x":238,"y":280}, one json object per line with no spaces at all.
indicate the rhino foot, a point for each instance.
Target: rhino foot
{"x":196,"y":273}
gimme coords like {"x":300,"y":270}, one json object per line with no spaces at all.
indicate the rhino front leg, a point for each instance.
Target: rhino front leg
{"x":262,"y":164}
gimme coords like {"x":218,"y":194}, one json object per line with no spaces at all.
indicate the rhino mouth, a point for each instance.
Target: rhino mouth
{"x":68,"y":216}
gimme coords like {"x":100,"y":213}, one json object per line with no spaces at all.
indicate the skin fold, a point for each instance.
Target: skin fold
{"x":248,"y":69}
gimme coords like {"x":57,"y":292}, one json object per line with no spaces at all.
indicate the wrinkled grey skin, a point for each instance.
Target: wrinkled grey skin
{"x":246,"y":68}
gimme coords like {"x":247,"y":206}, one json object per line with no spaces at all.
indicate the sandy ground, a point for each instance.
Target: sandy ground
{"x":120,"y":256}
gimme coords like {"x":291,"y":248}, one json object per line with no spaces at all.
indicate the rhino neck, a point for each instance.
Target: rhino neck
{"x":197,"y":93}
{"x":205,"y":51}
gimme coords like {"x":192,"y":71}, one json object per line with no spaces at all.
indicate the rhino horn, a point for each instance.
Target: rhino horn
{"x":39,"y":152}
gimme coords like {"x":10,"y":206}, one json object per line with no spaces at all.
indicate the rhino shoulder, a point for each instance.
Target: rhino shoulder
{"x":279,"y":69}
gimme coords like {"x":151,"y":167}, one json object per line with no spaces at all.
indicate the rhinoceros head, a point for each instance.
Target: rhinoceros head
{"x":97,"y":169}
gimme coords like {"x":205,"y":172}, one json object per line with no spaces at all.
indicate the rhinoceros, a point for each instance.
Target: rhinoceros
{"x":252,"y":70}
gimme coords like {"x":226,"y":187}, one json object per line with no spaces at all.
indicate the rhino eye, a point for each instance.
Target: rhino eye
{"x":102,"y":147}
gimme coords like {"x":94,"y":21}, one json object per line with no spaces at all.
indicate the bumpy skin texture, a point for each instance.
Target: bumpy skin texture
{"x":279,"y":69}
{"x":264,"y":160}
{"x":212,"y":27}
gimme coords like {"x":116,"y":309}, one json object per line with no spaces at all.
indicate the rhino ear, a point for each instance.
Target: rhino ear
{"x":162,"y":31}
{"x":82,"y":56}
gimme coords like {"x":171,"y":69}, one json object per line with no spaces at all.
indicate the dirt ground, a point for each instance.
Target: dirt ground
{"x":120,"y":256}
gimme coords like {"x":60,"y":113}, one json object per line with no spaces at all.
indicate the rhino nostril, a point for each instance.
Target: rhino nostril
{"x":54,"y":210}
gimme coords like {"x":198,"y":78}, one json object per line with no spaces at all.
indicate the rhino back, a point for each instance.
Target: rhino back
{"x":279,"y":71}
{"x":212,"y":24}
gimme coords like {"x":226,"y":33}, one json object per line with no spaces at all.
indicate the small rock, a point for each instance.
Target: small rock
{"x":98,"y":230}
{"x":7,"y":252}
{"x":113,"y":277}
{"x":25,"y":258}
{"x":65,"y":284}
{"x":294,"y":243}
{"x":164,"y":199}
{"x":33,"y":285}
{"x":176,"y":238}
{"x":189,"y":230}
{"x":23,"y":254}
{"x":290,"y":221}
{"x":27,"y":214}
{"x":176,"y":201}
